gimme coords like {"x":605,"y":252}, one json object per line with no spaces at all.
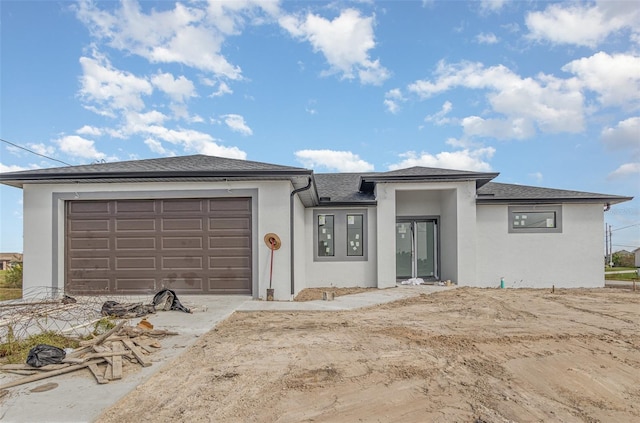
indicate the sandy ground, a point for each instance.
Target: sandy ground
{"x":463,"y":355}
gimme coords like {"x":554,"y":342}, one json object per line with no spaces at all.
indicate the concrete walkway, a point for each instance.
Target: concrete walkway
{"x":78,"y":398}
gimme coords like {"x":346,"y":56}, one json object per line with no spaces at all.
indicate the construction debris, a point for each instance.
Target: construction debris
{"x":103,"y":356}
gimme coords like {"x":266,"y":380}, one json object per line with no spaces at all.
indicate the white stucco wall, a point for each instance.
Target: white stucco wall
{"x":452,"y":202}
{"x":569,"y":259}
{"x":44,"y":246}
{"x":341,"y":274}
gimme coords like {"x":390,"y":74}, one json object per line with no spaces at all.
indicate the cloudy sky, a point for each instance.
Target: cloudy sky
{"x":546,"y":93}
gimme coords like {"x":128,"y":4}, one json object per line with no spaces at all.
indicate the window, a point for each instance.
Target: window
{"x":325,"y":235}
{"x":340,"y":235}
{"x":535,"y":219}
{"x":354,"y":234}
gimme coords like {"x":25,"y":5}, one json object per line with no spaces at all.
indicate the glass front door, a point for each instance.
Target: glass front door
{"x":416,"y":249}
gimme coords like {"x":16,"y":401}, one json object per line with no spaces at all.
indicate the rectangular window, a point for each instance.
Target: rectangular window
{"x":325,"y":235}
{"x":340,"y":234}
{"x":354,"y":234}
{"x":535,"y":219}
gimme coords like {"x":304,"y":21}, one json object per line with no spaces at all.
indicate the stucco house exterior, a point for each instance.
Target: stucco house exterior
{"x":202,"y":225}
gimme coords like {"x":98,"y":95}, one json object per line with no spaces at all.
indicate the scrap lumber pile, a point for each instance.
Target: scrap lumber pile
{"x":104,"y":355}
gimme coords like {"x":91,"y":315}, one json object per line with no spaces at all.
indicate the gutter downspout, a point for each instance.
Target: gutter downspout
{"x":291,"y":241}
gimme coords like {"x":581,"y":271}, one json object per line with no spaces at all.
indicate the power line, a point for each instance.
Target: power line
{"x":625,"y":227}
{"x":33,"y":152}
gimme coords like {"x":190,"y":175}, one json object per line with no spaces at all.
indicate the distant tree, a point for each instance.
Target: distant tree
{"x":623,"y":259}
{"x":13,"y":277}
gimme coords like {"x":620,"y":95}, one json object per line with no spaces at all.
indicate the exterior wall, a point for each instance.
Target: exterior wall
{"x":301,"y":246}
{"x":341,"y":274}
{"x":570,"y":259}
{"x":44,"y":219}
{"x":453,"y":202}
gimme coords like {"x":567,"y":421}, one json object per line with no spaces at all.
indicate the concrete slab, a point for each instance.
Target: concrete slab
{"x":78,"y":398}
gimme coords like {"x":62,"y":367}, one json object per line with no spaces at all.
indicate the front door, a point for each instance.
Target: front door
{"x":416,"y":249}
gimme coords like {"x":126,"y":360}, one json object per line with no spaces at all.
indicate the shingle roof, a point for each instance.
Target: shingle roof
{"x":424,"y":174}
{"x":341,"y":188}
{"x":499,"y":192}
{"x":196,"y":166}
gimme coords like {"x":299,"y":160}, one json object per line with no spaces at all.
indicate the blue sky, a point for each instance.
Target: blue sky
{"x":546,"y":93}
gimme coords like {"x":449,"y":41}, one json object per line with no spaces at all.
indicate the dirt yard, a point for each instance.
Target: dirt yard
{"x":463,"y":355}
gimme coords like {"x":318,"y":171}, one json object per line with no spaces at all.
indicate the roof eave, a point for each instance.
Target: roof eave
{"x":596,"y":200}
{"x":368,"y":181}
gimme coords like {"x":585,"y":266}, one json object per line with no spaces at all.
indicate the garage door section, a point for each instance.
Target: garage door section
{"x":193,"y":246}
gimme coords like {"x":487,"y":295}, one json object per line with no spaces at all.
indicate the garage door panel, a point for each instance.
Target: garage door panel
{"x":92,"y":244}
{"x":182,"y":206}
{"x":95,"y":226}
{"x":229,"y":204}
{"x":228,"y":285}
{"x":131,"y":285}
{"x":90,"y":263}
{"x":179,"y":263}
{"x":135,"y":243}
{"x":135,"y":225}
{"x":89,"y":207}
{"x":194,"y":224}
{"x":135,"y":207}
{"x":89,"y":286}
{"x":229,"y":223}
{"x":182,"y":243}
{"x":140,"y":246}
{"x":135,"y":263}
{"x":216,"y":242}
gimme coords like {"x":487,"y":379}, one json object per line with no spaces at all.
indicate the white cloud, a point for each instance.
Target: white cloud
{"x":11,"y":168}
{"x":192,"y":141}
{"x":475,"y":160}
{"x":537,"y":176}
{"x":156,"y":147}
{"x":626,"y":135}
{"x":615,"y":78}
{"x":492,"y":5}
{"x":489,"y":38}
{"x":440,"y":118}
{"x":43,"y":149}
{"x":237,"y":124}
{"x":77,"y":146}
{"x":181,"y":35}
{"x":344,"y":41}
{"x":89,"y":130}
{"x":223,"y":89}
{"x":552,"y":104}
{"x":392,"y":100}
{"x":339,"y":161}
{"x":111,"y":88}
{"x":178,"y":89}
{"x":583,"y":24}
{"x":514,"y":128}
{"x":625,"y":170}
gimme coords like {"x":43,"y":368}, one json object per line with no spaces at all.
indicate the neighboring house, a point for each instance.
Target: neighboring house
{"x":636,"y":253}
{"x":8,"y":260}
{"x":198,"y":224}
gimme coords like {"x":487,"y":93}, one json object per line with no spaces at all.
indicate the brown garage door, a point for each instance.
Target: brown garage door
{"x":193,"y":246}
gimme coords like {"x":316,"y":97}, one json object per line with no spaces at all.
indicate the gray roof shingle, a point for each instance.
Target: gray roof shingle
{"x":499,"y":192}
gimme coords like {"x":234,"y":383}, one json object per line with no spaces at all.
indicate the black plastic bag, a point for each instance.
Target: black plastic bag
{"x":43,"y":354}
{"x":167,"y":299}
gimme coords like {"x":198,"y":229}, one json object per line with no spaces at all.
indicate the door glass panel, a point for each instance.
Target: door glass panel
{"x":404,"y":241}
{"x":425,"y":249}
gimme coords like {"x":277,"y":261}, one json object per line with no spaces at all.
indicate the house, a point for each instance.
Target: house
{"x":204,"y":225}
{"x":636,"y":255}
{"x":8,"y":260}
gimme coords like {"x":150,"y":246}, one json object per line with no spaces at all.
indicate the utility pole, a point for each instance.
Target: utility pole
{"x":606,"y":245}
{"x":610,"y":248}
